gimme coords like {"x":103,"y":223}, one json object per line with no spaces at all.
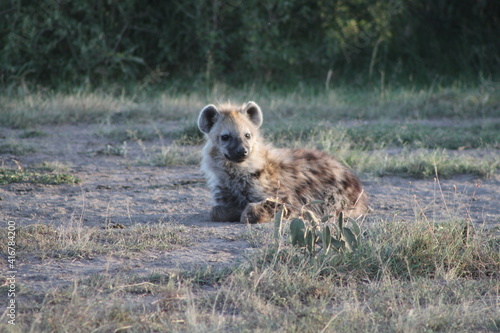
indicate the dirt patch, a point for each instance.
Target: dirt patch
{"x":124,"y":189}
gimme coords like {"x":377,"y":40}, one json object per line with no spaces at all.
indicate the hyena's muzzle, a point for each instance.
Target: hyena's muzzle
{"x":236,"y":151}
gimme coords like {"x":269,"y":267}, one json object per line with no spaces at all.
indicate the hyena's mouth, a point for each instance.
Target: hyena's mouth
{"x":236,"y":159}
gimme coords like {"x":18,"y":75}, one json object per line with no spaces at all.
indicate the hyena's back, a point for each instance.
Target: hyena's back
{"x":299,"y":176}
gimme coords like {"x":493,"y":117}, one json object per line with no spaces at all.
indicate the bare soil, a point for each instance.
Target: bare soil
{"x":127,"y":190}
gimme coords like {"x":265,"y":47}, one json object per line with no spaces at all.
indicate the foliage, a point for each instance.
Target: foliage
{"x":308,"y":237}
{"x":233,"y":41}
{"x":310,"y":232}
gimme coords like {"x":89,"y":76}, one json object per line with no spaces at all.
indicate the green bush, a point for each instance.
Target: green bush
{"x":77,"y":42}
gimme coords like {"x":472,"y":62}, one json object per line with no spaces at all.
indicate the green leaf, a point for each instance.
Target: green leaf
{"x":341,"y":222}
{"x":297,"y":231}
{"x":350,"y":239}
{"x":339,"y":245}
{"x":355,"y":229}
{"x":338,"y":232}
{"x":326,"y":218}
{"x":319,"y":235}
{"x":327,"y":239}
{"x":311,"y":246}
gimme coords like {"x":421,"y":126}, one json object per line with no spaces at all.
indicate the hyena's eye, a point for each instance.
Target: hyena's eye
{"x":224,"y":137}
{"x":248,"y":136}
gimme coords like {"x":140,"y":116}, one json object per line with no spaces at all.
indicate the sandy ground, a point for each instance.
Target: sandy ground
{"x":126,"y":190}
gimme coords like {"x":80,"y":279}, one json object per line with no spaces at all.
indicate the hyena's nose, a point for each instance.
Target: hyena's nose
{"x":238,"y":154}
{"x":243,"y":152}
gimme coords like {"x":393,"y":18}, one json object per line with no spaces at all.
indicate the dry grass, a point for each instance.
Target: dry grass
{"x":404,"y":278}
{"x":418,"y":276}
{"x":74,"y":240}
{"x":91,"y":107}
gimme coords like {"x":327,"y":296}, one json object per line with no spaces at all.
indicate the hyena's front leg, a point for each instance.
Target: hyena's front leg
{"x":261,"y":212}
{"x":225,"y":214}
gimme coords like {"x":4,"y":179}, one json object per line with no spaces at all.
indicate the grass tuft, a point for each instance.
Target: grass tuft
{"x":55,"y":167}
{"x":190,"y":135}
{"x":176,"y":155}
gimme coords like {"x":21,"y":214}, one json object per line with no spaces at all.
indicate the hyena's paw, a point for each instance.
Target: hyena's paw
{"x":261,"y":212}
{"x":255,"y":213}
{"x":225,"y":214}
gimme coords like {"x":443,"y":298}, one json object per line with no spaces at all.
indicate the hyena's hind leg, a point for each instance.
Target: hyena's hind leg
{"x":262,"y":212}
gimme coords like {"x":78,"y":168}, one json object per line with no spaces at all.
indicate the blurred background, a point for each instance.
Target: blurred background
{"x":277,"y":43}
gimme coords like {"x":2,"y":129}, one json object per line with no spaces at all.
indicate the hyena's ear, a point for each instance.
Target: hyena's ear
{"x":252,"y":110}
{"x":208,"y":117}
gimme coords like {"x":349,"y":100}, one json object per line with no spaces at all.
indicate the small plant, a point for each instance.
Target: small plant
{"x":112,"y":150}
{"x":309,"y":234}
{"x":53,"y":167}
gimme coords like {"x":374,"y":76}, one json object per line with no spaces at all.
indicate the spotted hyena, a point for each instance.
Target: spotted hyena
{"x":243,"y":171}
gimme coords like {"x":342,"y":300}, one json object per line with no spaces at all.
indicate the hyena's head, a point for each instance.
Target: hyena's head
{"x":232,"y":130}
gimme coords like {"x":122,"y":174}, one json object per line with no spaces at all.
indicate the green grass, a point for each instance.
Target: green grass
{"x":425,"y":136}
{"x":300,"y":105}
{"x":54,"y":167}
{"x":114,"y":150}
{"x":8,"y":176}
{"x":381,"y":148}
{"x":92,"y":107}
{"x":411,"y":277}
{"x":355,"y":124}
{"x":175,"y":155}
{"x":188,"y":135}
{"x":28,"y":134}
{"x":386,"y":159}
{"x":454,"y":135}
{"x":420,"y":164}
{"x":134,"y":133}
{"x":16,"y":148}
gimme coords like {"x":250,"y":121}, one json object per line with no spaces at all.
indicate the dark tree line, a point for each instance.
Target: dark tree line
{"x":54,"y":42}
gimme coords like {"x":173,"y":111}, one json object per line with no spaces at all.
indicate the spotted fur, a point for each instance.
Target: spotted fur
{"x":243,"y":171}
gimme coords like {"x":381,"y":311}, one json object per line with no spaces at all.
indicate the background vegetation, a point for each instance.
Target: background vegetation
{"x":78,"y":42}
